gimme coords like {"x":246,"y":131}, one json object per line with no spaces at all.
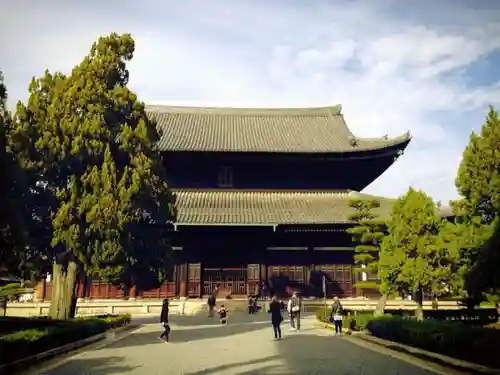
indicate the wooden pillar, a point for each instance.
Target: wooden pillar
{"x":182,"y":279}
{"x":40,"y":290}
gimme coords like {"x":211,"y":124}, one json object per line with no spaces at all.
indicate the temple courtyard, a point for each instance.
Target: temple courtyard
{"x":199,"y":345}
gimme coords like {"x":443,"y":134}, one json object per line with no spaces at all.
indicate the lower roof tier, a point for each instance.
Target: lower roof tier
{"x":271,"y":207}
{"x":267,"y":207}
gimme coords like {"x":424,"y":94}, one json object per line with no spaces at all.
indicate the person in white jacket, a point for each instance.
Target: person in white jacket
{"x":289,"y":309}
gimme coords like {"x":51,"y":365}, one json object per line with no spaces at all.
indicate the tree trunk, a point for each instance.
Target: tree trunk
{"x":419,"y":299}
{"x":63,"y":304}
{"x":435,"y":302}
{"x":380,"y":308}
{"x":3,"y":306}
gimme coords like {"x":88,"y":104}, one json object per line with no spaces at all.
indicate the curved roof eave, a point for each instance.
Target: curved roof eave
{"x":373,"y":144}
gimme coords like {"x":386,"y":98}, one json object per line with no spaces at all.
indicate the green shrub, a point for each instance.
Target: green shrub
{"x":323,"y":314}
{"x":355,"y":320}
{"x":30,"y":341}
{"x":454,"y":339}
{"x":358,"y":321}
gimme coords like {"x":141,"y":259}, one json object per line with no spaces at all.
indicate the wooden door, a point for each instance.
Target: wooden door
{"x":194,"y":280}
{"x":253,"y":279}
{"x":339,"y":279}
{"x":286,"y":279}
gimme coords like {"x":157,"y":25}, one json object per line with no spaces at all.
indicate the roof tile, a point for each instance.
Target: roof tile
{"x":307,"y":130}
{"x":240,"y":207}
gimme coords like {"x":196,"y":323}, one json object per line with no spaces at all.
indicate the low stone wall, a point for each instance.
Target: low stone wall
{"x":371,"y":304}
{"x":198,"y":306}
{"x":94,"y":307}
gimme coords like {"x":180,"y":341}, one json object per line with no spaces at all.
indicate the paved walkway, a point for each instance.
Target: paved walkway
{"x":246,"y":346}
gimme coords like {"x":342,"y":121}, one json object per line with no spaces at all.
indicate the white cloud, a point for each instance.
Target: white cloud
{"x":391,"y":73}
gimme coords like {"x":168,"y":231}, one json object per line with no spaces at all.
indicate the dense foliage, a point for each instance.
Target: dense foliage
{"x":415,"y":258}
{"x":478,"y":183}
{"x":17,"y":258}
{"x":466,"y":342}
{"x":101,"y":200}
{"x":35,"y":336}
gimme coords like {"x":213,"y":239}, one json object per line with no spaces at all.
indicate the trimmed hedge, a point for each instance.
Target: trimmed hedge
{"x":477,"y":317}
{"x":454,"y":339}
{"x":50,"y":334}
{"x":14,"y":324}
{"x":357,"y":321}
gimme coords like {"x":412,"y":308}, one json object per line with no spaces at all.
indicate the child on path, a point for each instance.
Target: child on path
{"x":222,"y":314}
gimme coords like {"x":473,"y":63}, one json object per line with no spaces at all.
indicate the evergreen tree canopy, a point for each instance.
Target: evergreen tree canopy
{"x":17,"y":257}
{"x":484,"y":277}
{"x":478,"y":183}
{"x":92,"y":147}
{"x":414,"y":258}
{"x":478,"y":179}
{"x":367,"y":234}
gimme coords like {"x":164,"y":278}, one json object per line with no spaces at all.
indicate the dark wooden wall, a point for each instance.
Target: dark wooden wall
{"x":228,"y":257}
{"x":278,"y":171}
{"x":239,"y":259}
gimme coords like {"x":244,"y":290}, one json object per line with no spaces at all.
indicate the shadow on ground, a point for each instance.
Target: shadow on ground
{"x":193,"y":334}
{"x":312,"y":354}
{"x":99,"y":366}
{"x":203,"y":319}
{"x":301,"y":353}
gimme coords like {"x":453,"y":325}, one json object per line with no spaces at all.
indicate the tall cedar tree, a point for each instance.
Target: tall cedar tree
{"x":478,"y":183}
{"x":368,"y":235}
{"x":413,"y":259}
{"x":94,"y":152}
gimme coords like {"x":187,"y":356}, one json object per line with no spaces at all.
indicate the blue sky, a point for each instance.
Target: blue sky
{"x":394,"y":65}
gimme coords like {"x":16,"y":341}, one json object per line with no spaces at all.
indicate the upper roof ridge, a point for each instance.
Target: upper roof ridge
{"x":327,"y":111}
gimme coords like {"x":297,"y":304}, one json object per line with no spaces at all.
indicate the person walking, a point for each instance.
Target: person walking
{"x":276,"y":317}
{"x":296,"y":307}
{"x":251,"y":304}
{"x":211,"y":305}
{"x":164,"y":320}
{"x":337,"y":315}
{"x":290,"y":315}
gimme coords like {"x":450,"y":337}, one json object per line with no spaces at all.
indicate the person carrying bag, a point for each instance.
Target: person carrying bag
{"x":336,"y":316}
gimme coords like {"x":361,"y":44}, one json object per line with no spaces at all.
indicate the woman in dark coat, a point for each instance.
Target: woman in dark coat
{"x":164,"y":320}
{"x":276,"y":317}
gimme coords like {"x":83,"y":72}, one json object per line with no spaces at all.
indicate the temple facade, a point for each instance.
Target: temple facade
{"x":262,"y":196}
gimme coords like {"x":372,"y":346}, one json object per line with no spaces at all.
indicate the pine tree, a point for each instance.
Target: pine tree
{"x":368,"y":235}
{"x":413,"y":258}
{"x":95,"y":157}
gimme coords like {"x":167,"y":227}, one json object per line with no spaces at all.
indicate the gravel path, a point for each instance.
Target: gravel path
{"x":245,"y":346}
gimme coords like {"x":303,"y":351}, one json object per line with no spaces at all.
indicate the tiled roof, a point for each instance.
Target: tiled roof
{"x":240,"y":207}
{"x":306,"y":130}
